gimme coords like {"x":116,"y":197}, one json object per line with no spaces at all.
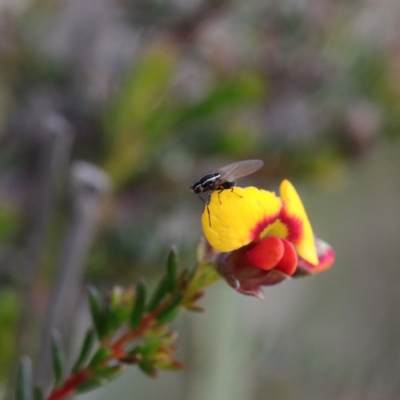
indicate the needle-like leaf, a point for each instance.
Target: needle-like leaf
{"x":87,"y":347}
{"x":139,"y":305}
{"x":57,"y":358}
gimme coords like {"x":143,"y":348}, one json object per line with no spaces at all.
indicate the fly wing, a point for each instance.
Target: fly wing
{"x":238,"y":169}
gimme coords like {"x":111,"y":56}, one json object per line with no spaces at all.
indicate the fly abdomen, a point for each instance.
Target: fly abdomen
{"x":227,"y":185}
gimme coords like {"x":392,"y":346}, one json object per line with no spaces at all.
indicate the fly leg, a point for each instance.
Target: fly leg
{"x":220,"y":191}
{"x":208,"y":210}
{"x":206,"y":203}
{"x":236,"y":193}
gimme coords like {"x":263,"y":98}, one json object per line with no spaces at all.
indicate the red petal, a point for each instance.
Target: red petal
{"x":267,"y":253}
{"x":288,"y":263}
{"x":254,"y":286}
{"x":326,"y":257}
{"x":245,"y":278}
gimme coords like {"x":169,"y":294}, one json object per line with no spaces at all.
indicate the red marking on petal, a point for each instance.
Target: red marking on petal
{"x":256,"y":231}
{"x":288,"y":262}
{"x":266,"y":253}
{"x":325,"y":261}
{"x":326,"y":257}
{"x":294,"y":225}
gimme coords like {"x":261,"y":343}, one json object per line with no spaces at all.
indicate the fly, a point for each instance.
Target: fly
{"x":224,"y":178}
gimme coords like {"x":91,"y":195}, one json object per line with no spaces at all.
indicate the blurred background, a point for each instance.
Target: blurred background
{"x":110,"y":109}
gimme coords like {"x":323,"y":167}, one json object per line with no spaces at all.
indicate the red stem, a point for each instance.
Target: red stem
{"x":70,"y":385}
{"x":147,"y":321}
{"x":68,"y":388}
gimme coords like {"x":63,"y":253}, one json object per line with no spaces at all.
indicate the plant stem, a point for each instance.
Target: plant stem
{"x":70,"y":385}
{"x":147,"y":322}
{"x":68,"y":388}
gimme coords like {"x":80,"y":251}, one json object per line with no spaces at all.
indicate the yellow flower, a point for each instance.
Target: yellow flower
{"x":262,"y":239}
{"x":235,"y":216}
{"x":247,"y":215}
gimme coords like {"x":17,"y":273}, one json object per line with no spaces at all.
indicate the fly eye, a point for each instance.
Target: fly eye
{"x":196,"y":187}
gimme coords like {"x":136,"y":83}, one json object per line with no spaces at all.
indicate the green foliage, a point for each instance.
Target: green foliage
{"x":147,"y":113}
{"x":141,"y":115}
{"x":38,"y":393}
{"x":57,"y":356}
{"x":226,"y":95}
{"x":172,"y":267}
{"x":101,"y":377}
{"x":159,"y":294}
{"x":118,"y":308}
{"x":138,"y":306}
{"x":125,"y":331}
{"x":101,"y":354}
{"x":143,"y":88}
{"x":10,"y":306}
{"x":156,"y":354}
{"x":8,"y":222}
{"x":170,"y":311}
{"x":200,"y":277}
{"x":96,"y":311}
{"x":87,"y":348}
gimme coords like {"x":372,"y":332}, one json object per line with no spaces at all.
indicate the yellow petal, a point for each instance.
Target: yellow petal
{"x":239,"y":217}
{"x":295,"y":217}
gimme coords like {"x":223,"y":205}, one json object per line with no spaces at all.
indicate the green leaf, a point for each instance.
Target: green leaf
{"x":156,"y":332}
{"x":227,"y":95}
{"x":87,"y":347}
{"x":142,"y":90}
{"x":204,"y":275}
{"x":172,"y":365}
{"x":89,"y":385}
{"x":57,"y":358}
{"x":168,"y":316}
{"x":38,"y":393}
{"x":116,"y":297}
{"x":172,"y":268}
{"x":114,"y":315}
{"x":101,"y":377}
{"x":109,"y":373}
{"x":96,"y":311}
{"x":101,"y":354}
{"x":149,"y":349}
{"x":158,"y":295}
{"x":148,"y":368}
{"x":145,"y":108}
{"x":169,"y":313}
{"x":24,"y":380}
{"x":139,"y":306}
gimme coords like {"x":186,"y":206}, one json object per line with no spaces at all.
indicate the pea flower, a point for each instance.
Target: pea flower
{"x":262,"y":239}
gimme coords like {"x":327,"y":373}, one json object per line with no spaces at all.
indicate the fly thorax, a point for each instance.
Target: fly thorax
{"x":209,"y":180}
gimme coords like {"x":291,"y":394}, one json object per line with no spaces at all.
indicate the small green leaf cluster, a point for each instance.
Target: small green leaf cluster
{"x":129,"y":327}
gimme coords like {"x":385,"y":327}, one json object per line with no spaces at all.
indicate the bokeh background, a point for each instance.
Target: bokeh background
{"x":111,"y":108}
